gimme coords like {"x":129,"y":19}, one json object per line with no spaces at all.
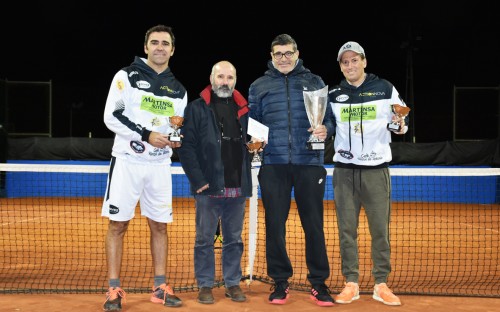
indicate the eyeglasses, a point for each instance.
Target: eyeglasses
{"x":279,"y":55}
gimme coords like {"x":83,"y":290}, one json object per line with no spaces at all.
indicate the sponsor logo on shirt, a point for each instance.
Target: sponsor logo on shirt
{"x":354,"y":112}
{"x":346,"y":154}
{"x":157,"y":106}
{"x":137,"y":147}
{"x":141,"y":84}
{"x":372,"y":94}
{"x":342,"y":98}
{"x":166,"y":88}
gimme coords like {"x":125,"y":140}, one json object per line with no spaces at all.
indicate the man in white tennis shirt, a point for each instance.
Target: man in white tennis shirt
{"x":141,"y":99}
{"x":363,"y":105}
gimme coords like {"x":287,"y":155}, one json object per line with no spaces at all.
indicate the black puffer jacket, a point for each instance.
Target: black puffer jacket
{"x":277,"y":101}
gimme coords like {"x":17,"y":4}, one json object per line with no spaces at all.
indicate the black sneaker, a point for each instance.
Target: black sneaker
{"x":114,"y":299}
{"x":235,"y":293}
{"x":280,"y":292}
{"x":321,"y":294}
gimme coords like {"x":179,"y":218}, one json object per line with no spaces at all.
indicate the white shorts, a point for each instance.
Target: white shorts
{"x":129,"y":182}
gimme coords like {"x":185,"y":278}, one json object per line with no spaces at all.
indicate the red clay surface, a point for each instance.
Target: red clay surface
{"x":257,"y":296}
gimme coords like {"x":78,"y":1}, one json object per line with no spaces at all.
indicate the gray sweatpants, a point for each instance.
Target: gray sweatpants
{"x":370,"y":189}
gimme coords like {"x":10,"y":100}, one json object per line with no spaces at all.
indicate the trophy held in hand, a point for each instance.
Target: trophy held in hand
{"x":400,"y":112}
{"x":254,"y":147}
{"x":315,"y":102}
{"x":176,"y":123}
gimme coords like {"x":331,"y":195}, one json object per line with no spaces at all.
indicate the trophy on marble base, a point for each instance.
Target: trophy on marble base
{"x":400,"y":112}
{"x":176,"y":123}
{"x":254,"y":147}
{"x":315,"y":102}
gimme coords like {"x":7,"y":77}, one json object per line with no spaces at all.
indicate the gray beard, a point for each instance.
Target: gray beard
{"x":223,"y":92}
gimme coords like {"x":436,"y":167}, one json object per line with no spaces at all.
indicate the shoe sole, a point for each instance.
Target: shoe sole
{"x":346,"y":301}
{"x":236,"y":299}
{"x":386,"y":302}
{"x":205,"y":302}
{"x":173,"y":302}
{"x":158,"y":300}
{"x":279,"y":301}
{"x":173,"y":305}
{"x":322,"y":303}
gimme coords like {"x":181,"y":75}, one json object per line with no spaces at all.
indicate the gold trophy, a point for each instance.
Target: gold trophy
{"x":254,"y":147}
{"x":400,"y":112}
{"x":315,"y":102}
{"x":176,"y":124}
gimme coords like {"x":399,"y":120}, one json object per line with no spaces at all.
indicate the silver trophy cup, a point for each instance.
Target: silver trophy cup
{"x":315,"y":102}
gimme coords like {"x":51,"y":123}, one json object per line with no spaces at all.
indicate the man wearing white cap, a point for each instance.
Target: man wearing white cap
{"x":366,"y":110}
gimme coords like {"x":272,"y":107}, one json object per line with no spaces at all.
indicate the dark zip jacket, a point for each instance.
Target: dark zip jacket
{"x":200,"y":152}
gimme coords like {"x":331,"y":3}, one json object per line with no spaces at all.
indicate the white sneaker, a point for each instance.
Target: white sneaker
{"x":383,"y":294}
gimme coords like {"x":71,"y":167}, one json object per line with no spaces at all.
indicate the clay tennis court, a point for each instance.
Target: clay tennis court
{"x":257,"y":301}
{"x":54,"y":259}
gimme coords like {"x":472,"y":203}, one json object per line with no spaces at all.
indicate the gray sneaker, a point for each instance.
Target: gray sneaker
{"x":235,"y":293}
{"x":205,"y":295}
{"x":114,"y":299}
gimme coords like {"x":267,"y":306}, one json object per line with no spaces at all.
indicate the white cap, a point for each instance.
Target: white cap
{"x":350,"y":46}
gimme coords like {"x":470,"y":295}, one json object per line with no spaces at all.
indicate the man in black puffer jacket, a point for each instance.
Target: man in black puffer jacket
{"x":277,"y":101}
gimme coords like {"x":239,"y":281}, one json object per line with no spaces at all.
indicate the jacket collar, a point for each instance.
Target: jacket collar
{"x":239,"y":99}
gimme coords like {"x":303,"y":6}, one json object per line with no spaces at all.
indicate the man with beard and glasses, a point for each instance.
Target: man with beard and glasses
{"x":215,"y":159}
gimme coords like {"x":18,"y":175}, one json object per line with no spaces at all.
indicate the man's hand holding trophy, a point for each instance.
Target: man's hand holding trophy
{"x":176,"y":123}
{"x":256,"y":146}
{"x":397,"y":125}
{"x":259,"y":134}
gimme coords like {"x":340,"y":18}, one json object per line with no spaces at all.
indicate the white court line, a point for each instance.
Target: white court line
{"x":469,"y":225}
{"x":32,"y":219}
{"x":472,"y":226}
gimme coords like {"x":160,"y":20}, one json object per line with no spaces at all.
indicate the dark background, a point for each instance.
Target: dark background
{"x":425,"y":50}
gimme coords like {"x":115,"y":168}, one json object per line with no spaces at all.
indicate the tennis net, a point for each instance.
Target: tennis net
{"x":445,"y":233}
